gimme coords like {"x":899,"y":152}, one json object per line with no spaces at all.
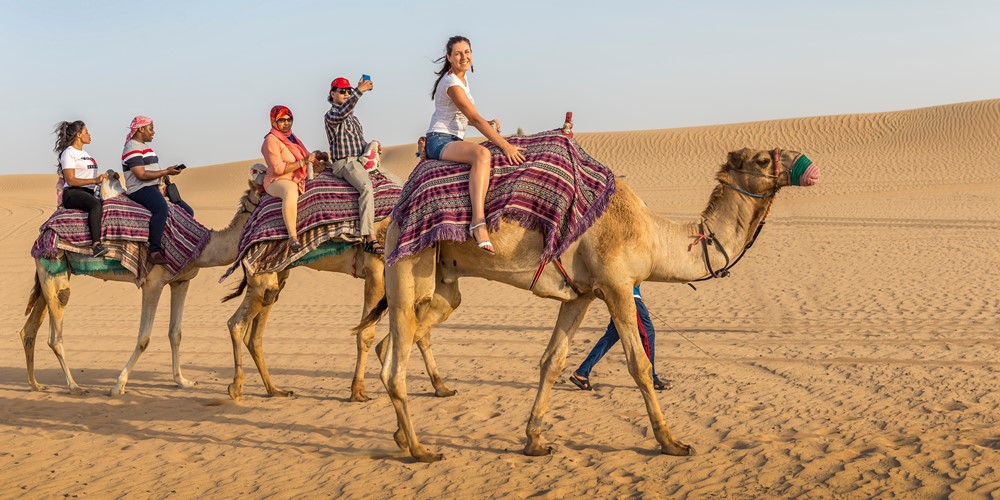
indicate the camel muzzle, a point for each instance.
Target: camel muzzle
{"x":803,"y":172}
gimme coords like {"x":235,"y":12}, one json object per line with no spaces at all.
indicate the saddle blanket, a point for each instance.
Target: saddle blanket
{"x":327,"y":210}
{"x":558,"y":191}
{"x":125,"y":229}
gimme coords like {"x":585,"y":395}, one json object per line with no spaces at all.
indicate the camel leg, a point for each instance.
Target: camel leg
{"x":374,"y":291}
{"x":621,"y":305}
{"x":55,"y":290}
{"x":178,"y":294}
{"x":446,"y":299}
{"x":255,"y":339}
{"x":28,"y":335}
{"x":553,"y":361}
{"x":239,"y":323}
{"x":151,"y":292}
{"x":402,"y":331}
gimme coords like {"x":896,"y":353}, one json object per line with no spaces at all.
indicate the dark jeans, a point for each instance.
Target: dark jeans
{"x":81,"y":198}
{"x":646,"y":333}
{"x":152,"y":199}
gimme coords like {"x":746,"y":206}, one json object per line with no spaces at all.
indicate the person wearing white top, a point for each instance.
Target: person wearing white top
{"x":79,"y":171}
{"x":454,"y":111}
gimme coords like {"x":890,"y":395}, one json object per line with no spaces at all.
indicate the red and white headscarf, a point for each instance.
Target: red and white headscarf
{"x":137,"y":123}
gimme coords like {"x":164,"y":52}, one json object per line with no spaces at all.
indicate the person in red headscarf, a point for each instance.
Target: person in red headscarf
{"x":288,"y":162}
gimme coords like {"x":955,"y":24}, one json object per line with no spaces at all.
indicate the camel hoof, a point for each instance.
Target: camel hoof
{"x":186,"y":384}
{"x":359,"y":397}
{"x":400,"y":438}
{"x":537,"y":451}
{"x":78,"y":391}
{"x":278,"y":393}
{"x":445,"y":393}
{"x":235,"y":392}
{"x":677,"y":450}
{"x":428,"y":458}
{"x":38,"y":387}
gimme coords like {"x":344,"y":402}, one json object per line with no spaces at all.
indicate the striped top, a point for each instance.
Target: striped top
{"x":138,"y":154}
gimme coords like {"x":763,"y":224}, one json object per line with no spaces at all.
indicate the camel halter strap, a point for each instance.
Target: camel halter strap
{"x":706,"y":237}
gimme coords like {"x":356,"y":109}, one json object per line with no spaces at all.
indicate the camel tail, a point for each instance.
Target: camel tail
{"x":239,"y":290}
{"x":36,"y":291}
{"x":374,"y":316}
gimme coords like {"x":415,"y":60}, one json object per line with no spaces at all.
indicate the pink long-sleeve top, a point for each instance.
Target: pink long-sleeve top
{"x":277,"y":156}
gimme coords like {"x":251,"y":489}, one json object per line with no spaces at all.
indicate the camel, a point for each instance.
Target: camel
{"x":249,"y":320}
{"x":51,"y":292}
{"x":628,"y":244}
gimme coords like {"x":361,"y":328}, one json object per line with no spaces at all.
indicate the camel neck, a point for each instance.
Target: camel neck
{"x":678,"y":255}
{"x":224,"y":243}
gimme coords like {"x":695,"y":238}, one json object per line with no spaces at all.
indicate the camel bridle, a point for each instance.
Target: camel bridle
{"x":706,"y":236}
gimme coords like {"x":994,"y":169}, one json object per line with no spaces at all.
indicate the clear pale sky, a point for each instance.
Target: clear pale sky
{"x":207,"y":72}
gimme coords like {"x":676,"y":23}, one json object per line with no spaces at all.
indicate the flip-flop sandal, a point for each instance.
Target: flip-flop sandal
{"x":662,"y":385}
{"x":584,"y":385}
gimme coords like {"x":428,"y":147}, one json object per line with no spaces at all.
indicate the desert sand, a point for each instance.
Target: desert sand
{"x":852,"y":353}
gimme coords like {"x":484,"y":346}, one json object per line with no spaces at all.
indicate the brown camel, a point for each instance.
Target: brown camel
{"x":51,"y":291}
{"x":249,"y":320}
{"x":627,"y":245}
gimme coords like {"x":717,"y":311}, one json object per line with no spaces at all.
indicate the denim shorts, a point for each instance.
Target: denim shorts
{"x":436,"y":141}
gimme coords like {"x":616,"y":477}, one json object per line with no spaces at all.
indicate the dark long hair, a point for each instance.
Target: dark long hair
{"x":446,"y":67}
{"x":66,"y":133}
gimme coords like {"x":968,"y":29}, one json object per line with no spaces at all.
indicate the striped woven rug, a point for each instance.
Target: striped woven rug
{"x":328,"y":210}
{"x":559,"y":191}
{"x":125,"y":228}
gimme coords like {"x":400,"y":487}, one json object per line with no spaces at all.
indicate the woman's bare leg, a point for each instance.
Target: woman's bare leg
{"x":479,"y":178}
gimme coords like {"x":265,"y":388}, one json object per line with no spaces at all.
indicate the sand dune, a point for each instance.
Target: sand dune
{"x":852,"y":353}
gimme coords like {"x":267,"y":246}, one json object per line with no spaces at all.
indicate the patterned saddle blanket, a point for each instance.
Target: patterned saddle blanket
{"x":559,"y":191}
{"x":328,"y":210}
{"x":125,"y":228}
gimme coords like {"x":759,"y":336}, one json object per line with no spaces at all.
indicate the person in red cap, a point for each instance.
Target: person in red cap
{"x":454,"y":111}
{"x":347,"y":153}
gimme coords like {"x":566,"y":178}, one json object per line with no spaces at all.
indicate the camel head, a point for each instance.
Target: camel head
{"x":251,"y":198}
{"x":761,"y":173}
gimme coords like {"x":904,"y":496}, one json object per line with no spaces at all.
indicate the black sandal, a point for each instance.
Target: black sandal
{"x":374,"y":247}
{"x":582,"y":383}
{"x":662,"y":385}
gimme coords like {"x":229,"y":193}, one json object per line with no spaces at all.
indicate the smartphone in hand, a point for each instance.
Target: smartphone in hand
{"x":180,"y":167}
{"x":365,"y":77}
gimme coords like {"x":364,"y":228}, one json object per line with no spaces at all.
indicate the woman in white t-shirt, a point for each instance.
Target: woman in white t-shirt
{"x":79,"y":171}
{"x":454,"y":111}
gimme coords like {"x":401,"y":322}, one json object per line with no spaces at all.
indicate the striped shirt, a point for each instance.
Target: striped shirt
{"x":138,"y":154}
{"x":343,"y":129}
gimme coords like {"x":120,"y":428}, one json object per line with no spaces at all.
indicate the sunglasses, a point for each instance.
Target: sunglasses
{"x":343,"y":91}
{"x":283,"y":120}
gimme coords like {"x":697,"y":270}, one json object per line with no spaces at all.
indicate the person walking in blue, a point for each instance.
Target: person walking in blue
{"x":581,"y":377}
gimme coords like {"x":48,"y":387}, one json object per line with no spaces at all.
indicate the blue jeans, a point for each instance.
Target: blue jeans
{"x":436,"y":141}
{"x":646,"y":333}
{"x":152,"y":199}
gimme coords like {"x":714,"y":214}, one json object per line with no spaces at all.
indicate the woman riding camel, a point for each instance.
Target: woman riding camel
{"x":454,"y":111}
{"x":143,"y":175}
{"x":288,"y":162}
{"x":79,"y":172}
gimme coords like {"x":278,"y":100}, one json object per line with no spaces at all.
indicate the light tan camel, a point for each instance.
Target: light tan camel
{"x":249,"y":320}
{"x":51,"y":292}
{"x":627,"y":245}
